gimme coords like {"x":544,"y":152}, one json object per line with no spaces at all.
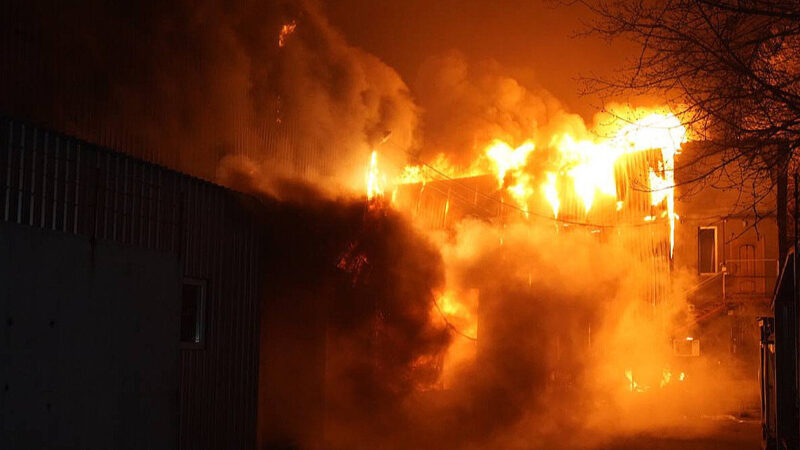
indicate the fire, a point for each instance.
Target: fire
{"x":666,"y":376}
{"x":374,"y":185}
{"x":507,"y":160}
{"x":632,"y":384}
{"x":458,"y":309}
{"x":583,"y":169}
{"x":286,"y":30}
{"x":440,"y":168}
{"x":412,"y":175}
{"x":550,"y":191}
{"x":460,"y":313}
{"x":575,"y":176}
{"x":589,"y":166}
{"x":508,"y":164}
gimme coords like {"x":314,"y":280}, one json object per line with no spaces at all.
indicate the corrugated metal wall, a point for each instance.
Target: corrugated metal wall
{"x":59,"y":183}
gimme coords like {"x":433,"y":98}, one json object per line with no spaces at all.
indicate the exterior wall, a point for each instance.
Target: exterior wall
{"x":219,"y":383}
{"x":56,"y":183}
{"x":747,"y":242}
{"x":726,"y":303}
{"x":746,"y":278}
{"x":89,"y":343}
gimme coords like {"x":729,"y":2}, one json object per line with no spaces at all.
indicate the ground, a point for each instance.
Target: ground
{"x":724,"y":434}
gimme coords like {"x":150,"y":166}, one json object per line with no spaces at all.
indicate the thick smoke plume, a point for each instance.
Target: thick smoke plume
{"x":469,"y":104}
{"x":204,"y":86}
{"x":209,"y":89}
{"x":562,"y":321}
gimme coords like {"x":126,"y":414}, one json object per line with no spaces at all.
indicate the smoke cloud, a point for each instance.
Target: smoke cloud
{"x":564,"y":340}
{"x":199,"y":86}
{"x":469,"y":104}
{"x":568,"y":352}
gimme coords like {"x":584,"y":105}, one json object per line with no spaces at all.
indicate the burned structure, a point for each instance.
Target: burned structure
{"x":716,"y":248}
{"x":210,"y":319}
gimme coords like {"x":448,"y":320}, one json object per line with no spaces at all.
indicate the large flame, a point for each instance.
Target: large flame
{"x":286,"y":30}
{"x":589,"y":166}
{"x":374,"y":186}
{"x":584,"y":169}
{"x":508,"y":165}
{"x":578,"y":171}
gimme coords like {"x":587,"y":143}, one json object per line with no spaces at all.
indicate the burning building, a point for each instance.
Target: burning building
{"x":618,"y":189}
{"x":519,"y":279}
{"x":700,"y":256}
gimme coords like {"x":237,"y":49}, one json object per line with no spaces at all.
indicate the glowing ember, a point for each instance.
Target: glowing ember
{"x":666,"y":376}
{"x":286,"y":30}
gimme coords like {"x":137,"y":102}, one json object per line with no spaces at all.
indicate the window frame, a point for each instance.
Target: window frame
{"x":716,"y":250}
{"x":200,"y":315}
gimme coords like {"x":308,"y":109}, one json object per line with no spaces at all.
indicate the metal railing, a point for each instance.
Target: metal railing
{"x":749,"y":277}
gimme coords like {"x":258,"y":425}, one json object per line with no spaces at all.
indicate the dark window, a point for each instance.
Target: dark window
{"x":193,"y":313}
{"x":707,"y":250}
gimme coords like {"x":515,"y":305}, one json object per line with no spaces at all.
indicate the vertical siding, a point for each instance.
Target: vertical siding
{"x":59,"y":183}
{"x":218,"y":383}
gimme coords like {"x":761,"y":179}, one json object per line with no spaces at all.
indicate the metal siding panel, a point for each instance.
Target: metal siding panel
{"x":21,"y":176}
{"x":43,"y":200}
{"x":9,"y":163}
{"x":77,"y":188}
{"x":80,"y":188}
{"x":64,"y":203}
{"x":32,"y":188}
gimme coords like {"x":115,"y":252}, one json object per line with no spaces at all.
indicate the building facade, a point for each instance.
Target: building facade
{"x":132,"y":304}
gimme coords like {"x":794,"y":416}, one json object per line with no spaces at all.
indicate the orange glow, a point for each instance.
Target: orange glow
{"x":590,"y":165}
{"x":632,"y":384}
{"x":551,"y":193}
{"x":438,"y":169}
{"x":583,"y":169}
{"x":374,"y":185}
{"x":508,"y":166}
{"x":286,"y":30}
{"x":460,"y":312}
{"x":666,"y":376}
{"x":574,"y":176}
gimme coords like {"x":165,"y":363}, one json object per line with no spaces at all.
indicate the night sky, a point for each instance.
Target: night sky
{"x":534,"y":41}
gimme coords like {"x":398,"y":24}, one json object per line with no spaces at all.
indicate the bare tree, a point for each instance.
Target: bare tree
{"x":730,"y":69}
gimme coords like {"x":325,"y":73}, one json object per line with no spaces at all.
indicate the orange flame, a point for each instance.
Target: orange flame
{"x":374,"y":186}
{"x":508,"y":166}
{"x":286,"y":30}
{"x":584,"y":169}
{"x":551,"y":193}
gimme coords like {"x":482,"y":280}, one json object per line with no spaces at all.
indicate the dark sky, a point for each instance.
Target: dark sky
{"x":191,"y":86}
{"x":533,"y":40}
